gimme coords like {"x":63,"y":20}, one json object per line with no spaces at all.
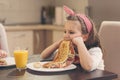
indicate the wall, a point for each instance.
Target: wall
{"x":101,"y":10}
{"x":21,"y":11}
{"x":28,"y":11}
{"x":77,"y":5}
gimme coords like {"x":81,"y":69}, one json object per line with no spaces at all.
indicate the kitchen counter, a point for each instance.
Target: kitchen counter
{"x":33,"y":27}
{"x":34,"y":37}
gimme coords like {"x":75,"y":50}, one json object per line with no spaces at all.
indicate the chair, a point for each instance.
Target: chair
{"x":109,"y":33}
{"x":3,"y":39}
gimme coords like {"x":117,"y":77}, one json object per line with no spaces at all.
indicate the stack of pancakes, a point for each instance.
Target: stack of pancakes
{"x":64,"y":56}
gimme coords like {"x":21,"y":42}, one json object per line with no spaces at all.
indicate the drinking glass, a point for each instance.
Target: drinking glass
{"x":21,"y":57}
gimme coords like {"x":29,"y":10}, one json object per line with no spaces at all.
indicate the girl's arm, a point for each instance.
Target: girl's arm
{"x":49,"y":50}
{"x":86,"y":60}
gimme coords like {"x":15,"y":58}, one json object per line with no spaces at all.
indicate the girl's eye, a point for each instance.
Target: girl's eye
{"x":71,"y":32}
{"x":64,"y":31}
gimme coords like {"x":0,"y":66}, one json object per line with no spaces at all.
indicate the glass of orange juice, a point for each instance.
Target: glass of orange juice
{"x":21,"y":57}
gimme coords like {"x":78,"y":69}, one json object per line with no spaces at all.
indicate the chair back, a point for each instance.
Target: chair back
{"x":109,"y":33}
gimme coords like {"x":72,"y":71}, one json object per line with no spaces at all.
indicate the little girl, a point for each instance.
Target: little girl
{"x":81,"y":31}
{"x":3,"y":43}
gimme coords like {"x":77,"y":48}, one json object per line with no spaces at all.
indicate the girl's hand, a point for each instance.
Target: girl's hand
{"x":77,"y":40}
{"x":59,"y":41}
{"x":3,"y":54}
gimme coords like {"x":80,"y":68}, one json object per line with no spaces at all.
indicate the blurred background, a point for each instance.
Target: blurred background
{"x":32,"y":11}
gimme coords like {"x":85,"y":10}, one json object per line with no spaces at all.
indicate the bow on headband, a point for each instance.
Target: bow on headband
{"x":85,"y":19}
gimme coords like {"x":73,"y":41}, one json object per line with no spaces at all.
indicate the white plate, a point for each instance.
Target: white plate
{"x":10,"y":62}
{"x":30,"y":66}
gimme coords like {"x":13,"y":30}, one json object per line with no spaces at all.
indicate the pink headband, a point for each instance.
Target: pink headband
{"x":85,"y":19}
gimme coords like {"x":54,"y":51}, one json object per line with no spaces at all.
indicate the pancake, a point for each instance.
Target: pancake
{"x":64,"y":56}
{"x":37,"y":65}
{"x":3,"y":62}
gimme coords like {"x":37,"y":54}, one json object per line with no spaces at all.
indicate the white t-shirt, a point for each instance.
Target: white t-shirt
{"x":97,"y":55}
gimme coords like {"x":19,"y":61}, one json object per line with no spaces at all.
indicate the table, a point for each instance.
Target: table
{"x":10,"y":73}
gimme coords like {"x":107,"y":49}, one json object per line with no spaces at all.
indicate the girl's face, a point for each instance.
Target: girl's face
{"x":72,"y":29}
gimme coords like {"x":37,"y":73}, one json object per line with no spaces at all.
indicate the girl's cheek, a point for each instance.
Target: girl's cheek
{"x":71,"y":37}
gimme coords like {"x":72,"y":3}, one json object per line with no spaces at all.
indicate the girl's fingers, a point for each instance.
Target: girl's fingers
{"x":3,"y":54}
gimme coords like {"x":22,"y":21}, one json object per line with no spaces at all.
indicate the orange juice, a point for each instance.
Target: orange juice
{"x":21,"y":57}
